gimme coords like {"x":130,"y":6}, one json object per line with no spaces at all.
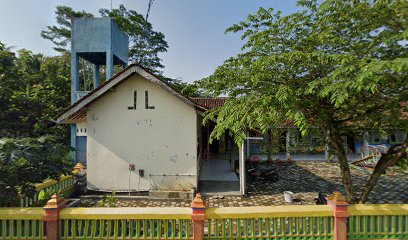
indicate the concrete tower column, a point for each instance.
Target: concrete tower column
{"x":74,"y":76}
{"x":97,"y":76}
{"x":74,"y":89}
{"x":109,"y":64}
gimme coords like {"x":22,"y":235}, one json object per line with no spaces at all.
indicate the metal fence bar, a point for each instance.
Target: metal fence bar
{"x":378,"y":221}
{"x":21,"y":223}
{"x":63,"y":186}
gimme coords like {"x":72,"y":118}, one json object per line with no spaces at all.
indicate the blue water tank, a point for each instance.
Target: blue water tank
{"x":100,"y":42}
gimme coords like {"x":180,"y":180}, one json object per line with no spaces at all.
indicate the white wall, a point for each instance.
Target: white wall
{"x":159,"y":141}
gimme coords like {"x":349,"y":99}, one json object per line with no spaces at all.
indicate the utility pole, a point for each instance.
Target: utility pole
{"x":148,"y":8}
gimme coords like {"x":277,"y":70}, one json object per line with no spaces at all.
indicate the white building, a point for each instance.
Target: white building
{"x":141,"y":134}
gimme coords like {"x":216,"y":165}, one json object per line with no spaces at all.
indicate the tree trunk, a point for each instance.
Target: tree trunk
{"x":269,"y":144}
{"x":386,"y":160}
{"x":345,"y":170}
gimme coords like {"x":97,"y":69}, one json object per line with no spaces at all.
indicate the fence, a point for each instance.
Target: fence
{"x":22,"y":223}
{"x":378,"y":221}
{"x":125,"y":223}
{"x":278,"y":222}
{"x":64,"y":186}
{"x":338,"y":220}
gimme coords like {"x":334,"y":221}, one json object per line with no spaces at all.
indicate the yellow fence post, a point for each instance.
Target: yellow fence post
{"x":78,"y":168}
{"x":198,"y":217}
{"x":52,"y":209}
{"x":340,"y":213}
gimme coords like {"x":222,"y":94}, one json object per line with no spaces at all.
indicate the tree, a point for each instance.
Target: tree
{"x":144,"y":43}
{"x":33,"y":90}
{"x":185,"y":88}
{"x":8,"y":81}
{"x":27,"y":161}
{"x":339,"y":65}
{"x":60,"y":35}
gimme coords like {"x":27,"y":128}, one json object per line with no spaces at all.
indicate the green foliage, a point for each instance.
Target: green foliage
{"x":44,"y":196}
{"x":145,"y":43}
{"x":60,"y":35}
{"x":403,"y":162}
{"x":340,"y":65}
{"x":109,"y":201}
{"x":27,"y":161}
{"x":185,"y":88}
{"x":33,"y":90}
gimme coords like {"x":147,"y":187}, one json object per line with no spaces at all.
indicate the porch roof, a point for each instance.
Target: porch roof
{"x":210,"y":103}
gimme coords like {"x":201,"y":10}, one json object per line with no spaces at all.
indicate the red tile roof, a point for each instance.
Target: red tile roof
{"x":210,"y":103}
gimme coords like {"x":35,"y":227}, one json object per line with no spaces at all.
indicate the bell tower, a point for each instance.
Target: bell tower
{"x":99,"y":41}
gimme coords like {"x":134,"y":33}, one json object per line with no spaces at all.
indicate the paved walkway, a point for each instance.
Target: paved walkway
{"x":306,"y":157}
{"x":307,"y":179}
{"x":304,"y":179}
{"x":216,"y":177}
{"x":217,"y":169}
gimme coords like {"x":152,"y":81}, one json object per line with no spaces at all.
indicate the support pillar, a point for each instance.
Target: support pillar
{"x":74,"y":89}
{"x":97,"y":76}
{"x":340,"y":213}
{"x":208,"y":153}
{"x":365,"y":149}
{"x":109,"y":65}
{"x":228,"y":152}
{"x":73,"y":141}
{"x":198,"y":217}
{"x":242,"y":174}
{"x":74,"y":76}
{"x":51,"y":217}
{"x":248,"y":147}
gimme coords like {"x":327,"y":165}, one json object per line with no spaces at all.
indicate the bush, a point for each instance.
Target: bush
{"x":25,"y":162}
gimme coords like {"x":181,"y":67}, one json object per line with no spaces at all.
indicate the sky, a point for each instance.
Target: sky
{"x":194,"y":29}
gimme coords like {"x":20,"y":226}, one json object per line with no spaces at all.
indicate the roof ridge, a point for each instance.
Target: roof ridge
{"x":116,"y":79}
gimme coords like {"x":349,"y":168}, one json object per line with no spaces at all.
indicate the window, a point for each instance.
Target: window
{"x":397,"y":137}
{"x":374,"y":137}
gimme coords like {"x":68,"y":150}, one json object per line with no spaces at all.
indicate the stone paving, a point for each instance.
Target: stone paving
{"x":138,"y":203}
{"x":304,"y":179}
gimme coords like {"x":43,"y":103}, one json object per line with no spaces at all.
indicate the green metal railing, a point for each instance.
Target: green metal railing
{"x":271,"y":228}
{"x":64,"y":187}
{"x":126,"y":223}
{"x":22,"y":223}
{"x":369,"y":227}
{"x":383,"y":221}
{"x":126,"y":229}
{"x":283,"y":222}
